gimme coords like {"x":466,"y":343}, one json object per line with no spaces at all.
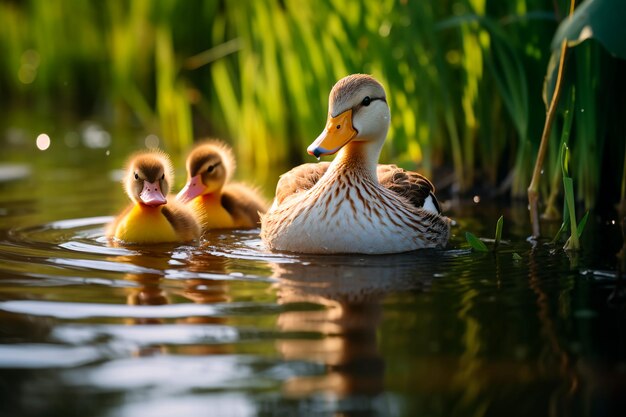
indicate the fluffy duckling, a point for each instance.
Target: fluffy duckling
{"x":354,"y":205}
{"x":218,"y":203}
{"x":151,"y":218}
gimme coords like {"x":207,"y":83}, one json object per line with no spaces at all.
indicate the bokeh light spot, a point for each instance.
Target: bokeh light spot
{"x":152,"y":141}
{"x":43,"y":142}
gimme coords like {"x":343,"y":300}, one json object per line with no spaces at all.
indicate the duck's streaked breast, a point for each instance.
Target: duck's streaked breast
{"x":346,"y":214}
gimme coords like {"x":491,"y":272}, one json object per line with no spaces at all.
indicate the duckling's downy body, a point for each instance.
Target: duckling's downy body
{"x":218,"y":203}
{"x":151,"y":218}
{"x":354,"y":205}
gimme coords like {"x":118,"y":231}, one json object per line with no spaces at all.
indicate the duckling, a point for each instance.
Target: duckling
{"x":218,"y":203}
{"x":151,"y":218}
{"x":354,"y":205}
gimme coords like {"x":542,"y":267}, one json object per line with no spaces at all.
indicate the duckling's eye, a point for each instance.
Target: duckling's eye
{"x":366,"y":101}
{"x":163,"y":177}
{"x":210,"y":169}
{"x":136,"y":176}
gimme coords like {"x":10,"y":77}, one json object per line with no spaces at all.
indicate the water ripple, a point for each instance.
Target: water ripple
{"x":72,"y":310}
{"x":32,"y":355}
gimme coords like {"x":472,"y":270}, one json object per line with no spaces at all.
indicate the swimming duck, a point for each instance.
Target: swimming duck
{"x":354,"y":205}
{"x":218,"y":203}
{"x":151,"y":218}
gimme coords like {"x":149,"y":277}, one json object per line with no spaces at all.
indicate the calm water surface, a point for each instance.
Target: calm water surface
{"x":227,"y":328}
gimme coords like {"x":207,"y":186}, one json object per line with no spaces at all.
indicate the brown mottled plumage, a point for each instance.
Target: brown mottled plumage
{"x":218,"y":203}
{"x":354,"y":205}
{"x":408,"y":184}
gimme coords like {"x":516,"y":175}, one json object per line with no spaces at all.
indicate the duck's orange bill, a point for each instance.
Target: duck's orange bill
{"x":336,"y":134}
{"x":151,"y":195}
{"x":191,"y":190}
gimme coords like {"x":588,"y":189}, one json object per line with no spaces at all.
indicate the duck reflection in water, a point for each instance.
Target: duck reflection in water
{"x":350,"y":290}
{"x":153,"y":289}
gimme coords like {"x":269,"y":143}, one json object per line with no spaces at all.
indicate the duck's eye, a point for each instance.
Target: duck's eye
{"x":136,"y":176}
{"x":210,"y":169}
{"x":163,"y":177}
{"x":366,"y":101}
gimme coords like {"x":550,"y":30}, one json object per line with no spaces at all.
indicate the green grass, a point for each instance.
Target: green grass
{"x":464,"y":78}
{"x":479,"y":246}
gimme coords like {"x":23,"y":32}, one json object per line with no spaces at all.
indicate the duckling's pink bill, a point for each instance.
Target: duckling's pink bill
{"x":151,"y":194}
{"x":191,"y":190}
{"x":337,"y":133}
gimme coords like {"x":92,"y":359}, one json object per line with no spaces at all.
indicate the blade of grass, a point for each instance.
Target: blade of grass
{"x":475,"y":243}
{"x":572,"y":243}
{"x":582,"y":224}
{"x":498,"y":236}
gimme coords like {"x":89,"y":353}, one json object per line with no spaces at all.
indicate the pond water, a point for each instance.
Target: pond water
{"x":227,"y":328}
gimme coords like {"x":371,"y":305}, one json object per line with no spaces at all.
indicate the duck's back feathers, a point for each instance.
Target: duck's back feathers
{"x":244,"y":204}
{"x":300,"y":178}
{"x":414,"y":187}
{"x":409,"y":184}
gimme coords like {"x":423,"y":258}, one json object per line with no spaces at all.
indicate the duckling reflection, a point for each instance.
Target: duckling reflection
{"x":147,"y":280}
{"x":150,"y":290}
{"x":351,"y":291}
{"x":203,"y":290}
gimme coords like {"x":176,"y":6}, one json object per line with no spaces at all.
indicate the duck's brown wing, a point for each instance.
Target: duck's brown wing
{"x":300,"y":178}
{"x":409,"y":184}
{"x":182,"y":220}
{"x":244,"y":204}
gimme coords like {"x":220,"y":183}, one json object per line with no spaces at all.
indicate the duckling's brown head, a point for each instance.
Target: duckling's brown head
{"x":209,"y":165}
{"x":148,"y":176}
{"x":357,"y":111}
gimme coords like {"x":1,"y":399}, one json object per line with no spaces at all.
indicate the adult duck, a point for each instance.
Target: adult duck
{"x":151,"y":218}
{"x":354,"y":205}
{"x":219,"y":203}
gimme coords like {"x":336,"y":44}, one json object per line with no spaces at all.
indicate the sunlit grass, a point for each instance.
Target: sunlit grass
{"x":463,"y":78}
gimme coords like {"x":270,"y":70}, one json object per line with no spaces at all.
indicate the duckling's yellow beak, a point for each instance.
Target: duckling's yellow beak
{"x":191,"y":190}
{"x":336,"y":134}
{"x":151,"y":195}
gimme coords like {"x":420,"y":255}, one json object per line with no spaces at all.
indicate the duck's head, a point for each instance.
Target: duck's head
{"x":209,"y":166}
{"x":357,"y":111}
{"x":148,"y":176}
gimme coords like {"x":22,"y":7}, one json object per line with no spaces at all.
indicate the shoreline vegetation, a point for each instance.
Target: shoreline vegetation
{"x":465,"y":80}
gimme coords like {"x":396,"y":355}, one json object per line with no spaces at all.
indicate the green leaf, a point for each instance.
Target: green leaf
{"x":568,"y":115}
{"x":516,"y":256}
{"x":565,"y":160}
{"x":498,"y":232}
{"x":568,"y":187}
{"x":602,"y":20}
{"x":475,"y":243}
{"x":582,"y":224}
{"x":563,"y":225}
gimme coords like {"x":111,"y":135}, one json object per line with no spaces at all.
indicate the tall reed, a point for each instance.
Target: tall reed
{"x":464,"y":77}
